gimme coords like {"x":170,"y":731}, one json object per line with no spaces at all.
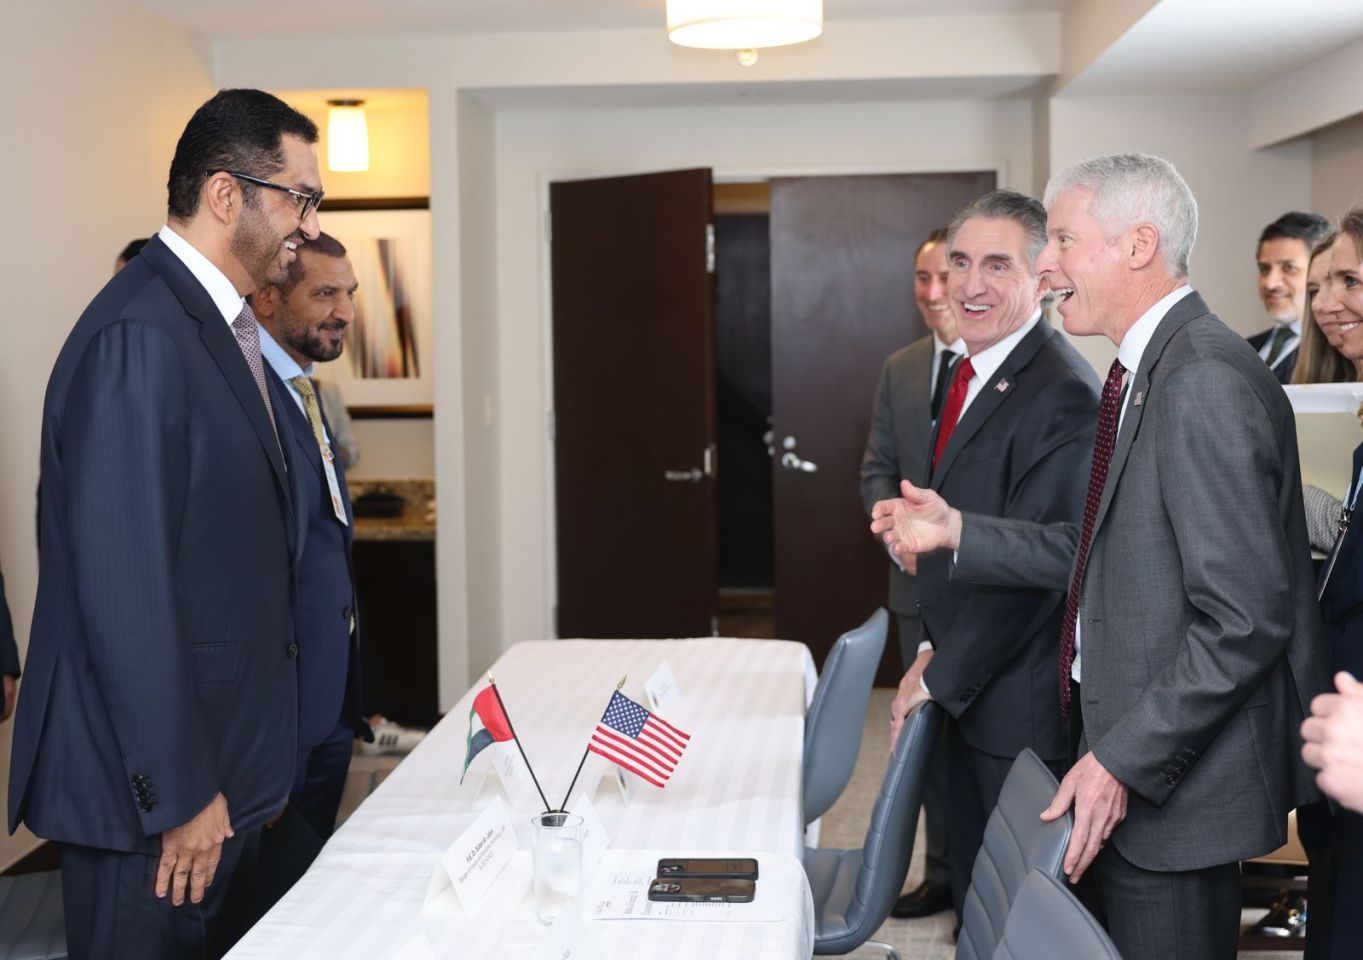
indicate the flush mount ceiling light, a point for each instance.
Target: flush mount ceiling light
{"x":347,"y":137}
{"x":743,"y":25}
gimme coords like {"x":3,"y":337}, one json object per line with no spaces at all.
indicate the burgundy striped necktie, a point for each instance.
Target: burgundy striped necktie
{"x":1108,"y":412}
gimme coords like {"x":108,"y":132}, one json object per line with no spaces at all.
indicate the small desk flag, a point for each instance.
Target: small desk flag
{"x":643,"y":743}
{"x":487,"y":725}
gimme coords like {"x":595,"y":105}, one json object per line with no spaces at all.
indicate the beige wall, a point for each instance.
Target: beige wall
{"x":1337,"y":167}
{"x":97,"y":96}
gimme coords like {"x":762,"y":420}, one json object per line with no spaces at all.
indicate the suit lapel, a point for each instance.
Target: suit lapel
{"x":990,"y":398}
{"x":222,"y":347}
{"x":1138,"y":394}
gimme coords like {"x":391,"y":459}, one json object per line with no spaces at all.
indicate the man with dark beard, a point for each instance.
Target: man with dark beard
{"x":303,"y":322}
{"x":157,"y":727}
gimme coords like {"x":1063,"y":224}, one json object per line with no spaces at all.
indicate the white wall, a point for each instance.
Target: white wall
{"x":1238,"y":190}
{"x":1337,"y":168}
{"x":97,"y":96}
{"x":393,"y":449}
{"x":536,"y":145}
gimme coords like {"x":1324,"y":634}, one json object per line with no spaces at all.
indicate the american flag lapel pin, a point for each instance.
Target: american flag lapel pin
{"x":1002,"y":386}
{"x":1138,"y":399}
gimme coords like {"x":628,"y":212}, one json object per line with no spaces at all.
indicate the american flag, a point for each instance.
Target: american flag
{"x":641,"y":742}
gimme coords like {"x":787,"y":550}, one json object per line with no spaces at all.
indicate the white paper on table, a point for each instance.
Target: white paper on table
{"x":569,"y":939}
{"x":661,"y":688}
{"x":595,"y":839}
{"x":474,"y":861}
{"x":1325,"y":397}
{"x":622,"y":894}
{"x":510,"y":768}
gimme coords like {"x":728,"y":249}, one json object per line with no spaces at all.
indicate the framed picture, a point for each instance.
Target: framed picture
{"x":386,"y":369}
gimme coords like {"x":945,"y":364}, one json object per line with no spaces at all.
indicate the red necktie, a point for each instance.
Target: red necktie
{"x":951,"y":410}
{"x":1108,"y":413}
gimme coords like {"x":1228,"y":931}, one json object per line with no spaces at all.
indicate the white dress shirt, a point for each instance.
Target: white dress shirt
{"x":224,"y":294}
{"x":1292,"y":342}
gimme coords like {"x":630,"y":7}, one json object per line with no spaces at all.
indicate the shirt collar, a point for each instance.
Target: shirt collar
{"x":988,"y":360}
{"x":1138,"y":337}
{"x":220,"y":289}
{"x":278,"y":358}
{"x":956,"y":346}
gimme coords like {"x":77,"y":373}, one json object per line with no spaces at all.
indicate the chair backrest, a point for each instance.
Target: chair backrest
{"x":894,"y":818}
{"x":1016,"y":841}
{"x":32,"y":921}
{"x":1048,"y":921}
{"x":837,"y":715}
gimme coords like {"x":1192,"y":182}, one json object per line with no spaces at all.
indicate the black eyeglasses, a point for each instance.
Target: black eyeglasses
{"x":307,"y":202}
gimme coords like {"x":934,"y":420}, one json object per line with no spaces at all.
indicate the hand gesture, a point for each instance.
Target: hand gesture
{"x":1099,"y":801}
{"x":1334,"y":741}
{"x":919,"y":522}
{"x":190,"y":853}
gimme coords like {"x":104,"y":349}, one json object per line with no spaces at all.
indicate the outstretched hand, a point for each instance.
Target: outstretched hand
{"x":919,"y":522}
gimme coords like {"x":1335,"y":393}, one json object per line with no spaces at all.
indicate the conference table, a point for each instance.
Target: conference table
{"x":735,"y":792}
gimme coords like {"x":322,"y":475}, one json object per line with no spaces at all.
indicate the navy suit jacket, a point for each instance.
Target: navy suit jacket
{"x":1341,"y":605}
{"x":1022,"y":449}
{"x":162,"y":664}
{"x":324,"y":604}
{"x":9,"y":650}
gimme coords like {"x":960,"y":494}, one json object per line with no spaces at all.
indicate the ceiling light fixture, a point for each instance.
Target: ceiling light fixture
{"x":347,"y":137}
{"x":743,"y":25}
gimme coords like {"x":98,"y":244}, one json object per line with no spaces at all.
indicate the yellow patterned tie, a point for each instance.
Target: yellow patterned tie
{"x":304,"y":387}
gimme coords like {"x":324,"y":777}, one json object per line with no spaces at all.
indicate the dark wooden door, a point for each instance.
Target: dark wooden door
{"x":634,"y":405}
{"x":842,"y":300}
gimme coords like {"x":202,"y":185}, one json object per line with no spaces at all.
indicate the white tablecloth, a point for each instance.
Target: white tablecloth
{"x":736,"y":791}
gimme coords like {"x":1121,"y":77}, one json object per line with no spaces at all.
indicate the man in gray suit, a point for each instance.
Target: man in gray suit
{"x":913,"y":383}
{"x":1190,"y":647}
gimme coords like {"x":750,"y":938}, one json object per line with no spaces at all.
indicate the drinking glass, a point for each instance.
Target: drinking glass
{"x":558,"y":863}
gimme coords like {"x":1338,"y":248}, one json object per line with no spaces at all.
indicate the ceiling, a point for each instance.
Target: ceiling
{"x":212,"y":18}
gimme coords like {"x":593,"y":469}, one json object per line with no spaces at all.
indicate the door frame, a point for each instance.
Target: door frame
{"x":719,"y":175}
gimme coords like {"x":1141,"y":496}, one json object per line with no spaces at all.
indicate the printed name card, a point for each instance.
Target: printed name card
{"x":595,"y":839}
{"x":661,"y":689}
{"x":510,"y":768}
{"x":569,"y":939}
{"x":477,"y":858}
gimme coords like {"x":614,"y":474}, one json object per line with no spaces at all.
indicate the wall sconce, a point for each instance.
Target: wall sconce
{"x":347,"y":137}
{"x":743,"y":25}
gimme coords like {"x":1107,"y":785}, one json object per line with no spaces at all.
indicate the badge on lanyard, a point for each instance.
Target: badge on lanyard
{"x":333,"y":485}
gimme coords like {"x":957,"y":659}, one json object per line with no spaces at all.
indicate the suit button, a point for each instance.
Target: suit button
{"x":146,"y":806}
{"x":346,"y":614}
{"x":139,"y":779}
{"x":1171,"y":779}
{"x":293,"y":651}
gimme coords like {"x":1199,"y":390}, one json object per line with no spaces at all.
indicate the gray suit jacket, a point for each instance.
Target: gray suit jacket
{"x":897,"y":447}
{"x":1201,"y":640}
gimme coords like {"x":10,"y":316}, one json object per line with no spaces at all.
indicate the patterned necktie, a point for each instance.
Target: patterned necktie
{"x":248,"y":339}
{"x":1281,"y":334}
{"x":1108,"y":412}
{"x":304,"y":387}
{"x":951,"y":411}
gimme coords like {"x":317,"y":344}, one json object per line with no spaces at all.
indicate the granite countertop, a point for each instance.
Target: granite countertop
{"x":417,"y":520}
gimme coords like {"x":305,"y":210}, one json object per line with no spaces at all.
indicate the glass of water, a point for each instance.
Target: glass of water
{"x":558,"y":863}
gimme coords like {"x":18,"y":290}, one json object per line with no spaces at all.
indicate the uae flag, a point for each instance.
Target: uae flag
{"x":487,"y":725}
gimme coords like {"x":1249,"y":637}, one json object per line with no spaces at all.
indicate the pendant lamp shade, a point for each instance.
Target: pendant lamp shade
{"x":347,"y":136}
{"x":743,"y":24}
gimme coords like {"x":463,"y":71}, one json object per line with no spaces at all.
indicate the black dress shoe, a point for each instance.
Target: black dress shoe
{"x":1286,"y":919}
{"x":922,"y":901}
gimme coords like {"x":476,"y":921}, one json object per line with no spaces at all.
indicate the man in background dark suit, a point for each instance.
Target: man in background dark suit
{"x":1014,"y":433}
{"x":158,"y":723}
{"x":913,"y":383}
{"x":1283,"y":256}
{"x":304,"y":320}
{"x":1190,"y":647}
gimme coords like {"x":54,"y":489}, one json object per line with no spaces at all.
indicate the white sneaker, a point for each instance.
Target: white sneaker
{"x":390,"y":737}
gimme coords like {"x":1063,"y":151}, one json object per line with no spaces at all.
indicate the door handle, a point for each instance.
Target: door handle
{"x":694,"y":475}
{"x":791,"y":461}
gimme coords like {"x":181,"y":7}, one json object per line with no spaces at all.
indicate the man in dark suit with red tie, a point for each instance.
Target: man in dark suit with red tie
{"x":157,"y":729}
{"x":1013,"y":437}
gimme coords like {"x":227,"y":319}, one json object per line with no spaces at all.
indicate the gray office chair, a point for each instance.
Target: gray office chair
{"x":837,"y":715}
{"x":855,"y":889}
{"x":32,"y":922}
{"x":1016,"y":841}
{"x":1047,"y":921}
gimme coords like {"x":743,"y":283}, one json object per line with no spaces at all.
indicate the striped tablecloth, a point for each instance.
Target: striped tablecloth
{"x":736,"y":791}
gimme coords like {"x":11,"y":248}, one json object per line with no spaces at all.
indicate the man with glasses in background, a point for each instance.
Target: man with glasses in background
{"x":158,"y":728}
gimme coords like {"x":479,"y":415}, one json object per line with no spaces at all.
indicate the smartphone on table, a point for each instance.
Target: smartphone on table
{"x":702,"y":890}
{"x":740,"y":868}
